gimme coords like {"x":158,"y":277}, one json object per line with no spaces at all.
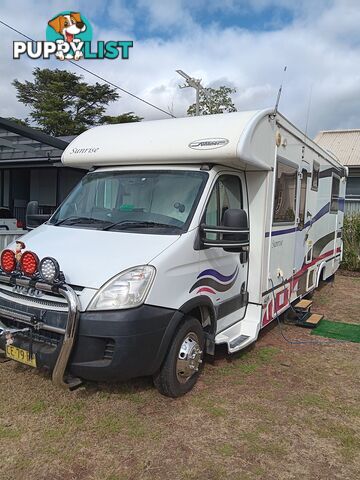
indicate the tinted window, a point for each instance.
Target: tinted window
{"x":166,"y":197}
{"x":285,"y":193}
{"x":353,"y":186}
{"x":335,"y":187}
{"x":315,"y":176}
{"x":227,"y":193}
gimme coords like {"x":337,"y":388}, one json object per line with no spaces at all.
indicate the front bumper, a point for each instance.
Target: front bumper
{"x":121,"y":344}
{"x":34,"y":323}
{"x":101,"y":346}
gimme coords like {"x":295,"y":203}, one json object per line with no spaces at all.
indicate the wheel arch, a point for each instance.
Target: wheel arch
{"x":200,"y":307}
{"x":320,"y":275}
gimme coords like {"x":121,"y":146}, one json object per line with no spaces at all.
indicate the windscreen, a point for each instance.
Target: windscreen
{"x":134,"y":200}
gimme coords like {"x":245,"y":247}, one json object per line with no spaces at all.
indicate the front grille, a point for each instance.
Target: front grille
{"x":34,"y":300}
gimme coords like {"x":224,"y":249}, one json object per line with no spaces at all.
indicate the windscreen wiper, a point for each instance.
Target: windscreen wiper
{"x":139,"y":224}
{"x":73,"y":220}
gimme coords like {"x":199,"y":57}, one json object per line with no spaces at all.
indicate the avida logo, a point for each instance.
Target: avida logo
{"x":68,"y":37}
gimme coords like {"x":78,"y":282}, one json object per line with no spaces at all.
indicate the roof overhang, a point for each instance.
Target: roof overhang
{"x":21,"y":144}
{"x":223,"y":139}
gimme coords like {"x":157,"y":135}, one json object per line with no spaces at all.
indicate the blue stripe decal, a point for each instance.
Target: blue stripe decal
{"x":323,"y":211}
{"x":281,"y":232}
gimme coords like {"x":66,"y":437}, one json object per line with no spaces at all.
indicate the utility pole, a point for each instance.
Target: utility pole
{"x":194,"y":83}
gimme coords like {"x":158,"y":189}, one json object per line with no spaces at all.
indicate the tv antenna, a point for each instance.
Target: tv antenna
{"x":196,"y":84}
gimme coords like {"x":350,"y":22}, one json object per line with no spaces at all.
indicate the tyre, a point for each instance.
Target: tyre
{"x":184,"y":360}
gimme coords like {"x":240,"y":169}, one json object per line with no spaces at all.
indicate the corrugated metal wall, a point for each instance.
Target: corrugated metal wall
{"x":352,"y":206}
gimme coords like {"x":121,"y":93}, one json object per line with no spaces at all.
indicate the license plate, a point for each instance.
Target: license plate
{"x":20,"y":355}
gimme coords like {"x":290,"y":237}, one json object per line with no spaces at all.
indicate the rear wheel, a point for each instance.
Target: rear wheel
{"x":183,"y":363}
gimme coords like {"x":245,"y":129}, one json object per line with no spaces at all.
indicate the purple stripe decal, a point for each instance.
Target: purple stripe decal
{"x":219,"y":276}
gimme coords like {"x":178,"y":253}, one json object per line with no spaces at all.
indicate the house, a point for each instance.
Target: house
{"x":30,"y":169}
{"x":345,"y":145}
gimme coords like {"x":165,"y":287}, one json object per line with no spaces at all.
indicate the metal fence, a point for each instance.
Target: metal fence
{"x":352,"y":205}
{"x":9,"y":236}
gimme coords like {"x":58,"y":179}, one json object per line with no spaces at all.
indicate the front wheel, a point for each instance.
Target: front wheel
{"x":183,"y":363}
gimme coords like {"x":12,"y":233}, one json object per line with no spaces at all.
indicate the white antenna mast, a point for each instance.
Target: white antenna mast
{"x":279,"y":93}
{"x":308,"y":111}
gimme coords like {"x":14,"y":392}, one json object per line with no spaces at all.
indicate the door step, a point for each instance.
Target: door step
{"x":300,"y":315}
{"x":303,"y":305}
{"x":303,"y":319}
{"x":314,"y":319}
{"x":236,"y":342}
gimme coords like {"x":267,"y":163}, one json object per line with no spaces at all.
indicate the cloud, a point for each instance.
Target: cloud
{"x":320,"y":45}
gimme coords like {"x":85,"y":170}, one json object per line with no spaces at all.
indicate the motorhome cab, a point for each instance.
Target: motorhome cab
{"x":184,"y":234}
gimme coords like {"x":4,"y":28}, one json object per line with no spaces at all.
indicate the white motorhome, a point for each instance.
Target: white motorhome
{"x":184,"y":234}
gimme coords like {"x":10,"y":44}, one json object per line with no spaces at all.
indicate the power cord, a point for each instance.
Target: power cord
{"x":297,"y":341}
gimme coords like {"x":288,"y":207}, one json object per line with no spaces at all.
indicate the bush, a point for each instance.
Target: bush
{"x":351,"y":237}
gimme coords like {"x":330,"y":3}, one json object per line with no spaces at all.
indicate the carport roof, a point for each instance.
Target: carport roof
{"x":20,"y":144}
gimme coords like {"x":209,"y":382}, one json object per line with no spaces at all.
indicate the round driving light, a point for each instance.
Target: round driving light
{"x":8,"y":260}
{"x":29,"y":263}
{"x":49,"y":269}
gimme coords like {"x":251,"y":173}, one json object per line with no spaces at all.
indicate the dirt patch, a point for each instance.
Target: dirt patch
{"x":283,"y":409}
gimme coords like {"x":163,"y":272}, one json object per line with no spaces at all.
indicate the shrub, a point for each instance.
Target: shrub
{"x":351,"y":237}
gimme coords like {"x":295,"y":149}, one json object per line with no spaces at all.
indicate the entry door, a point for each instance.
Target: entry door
{"x":225,"y":273}
{"x":302,"y":254}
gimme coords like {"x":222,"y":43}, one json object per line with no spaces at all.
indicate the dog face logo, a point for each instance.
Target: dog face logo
{"x":69,"y":37}
{"x":67,"y":29}
{"x":68,"y":25}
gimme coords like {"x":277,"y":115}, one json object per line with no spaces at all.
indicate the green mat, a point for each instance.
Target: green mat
{"x":338,"y":330}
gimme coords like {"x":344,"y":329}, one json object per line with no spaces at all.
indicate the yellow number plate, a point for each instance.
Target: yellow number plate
{"x":20,"y":355}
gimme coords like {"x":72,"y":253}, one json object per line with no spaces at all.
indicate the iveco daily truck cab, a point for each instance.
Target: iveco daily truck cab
{"x":184,"y":234}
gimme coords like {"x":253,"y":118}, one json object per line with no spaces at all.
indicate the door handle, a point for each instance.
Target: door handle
{"x":244,"y":256}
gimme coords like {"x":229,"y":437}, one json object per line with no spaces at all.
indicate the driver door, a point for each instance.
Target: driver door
{"x":225,"y":273}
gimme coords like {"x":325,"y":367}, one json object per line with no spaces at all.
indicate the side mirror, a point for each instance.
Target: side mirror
{"x":236,"y":218}
{"x":33,"y":217}
{"x":232,"y":235}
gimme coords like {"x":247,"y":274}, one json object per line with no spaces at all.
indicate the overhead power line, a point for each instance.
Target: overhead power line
{"x":96,"y":75}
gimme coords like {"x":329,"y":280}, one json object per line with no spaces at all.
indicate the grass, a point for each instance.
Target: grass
{"x":346,"y":437}
{"x":8,"y":433}
{"x":274,"y":411}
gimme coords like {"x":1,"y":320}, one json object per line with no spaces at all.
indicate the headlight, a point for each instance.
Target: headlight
{"x":127,"y":290}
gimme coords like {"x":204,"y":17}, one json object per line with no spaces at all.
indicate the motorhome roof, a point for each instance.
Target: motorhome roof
{"x":206,"y":139}
{"x":240,"y":140}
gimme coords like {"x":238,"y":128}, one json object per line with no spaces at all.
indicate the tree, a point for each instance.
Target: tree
{"x":214,"y":100}
{"x":128,"y":117}
{"x":61,"y":103}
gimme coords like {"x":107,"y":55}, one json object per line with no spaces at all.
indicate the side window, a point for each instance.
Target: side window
{"x":227,"y":193}
{"x":285,"y":193}
{"x":335,"y":188}
{"x":315,"y":176}
{"x":211,"y":212}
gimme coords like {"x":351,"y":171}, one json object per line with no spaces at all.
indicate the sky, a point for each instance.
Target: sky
{"x":243,"y":44}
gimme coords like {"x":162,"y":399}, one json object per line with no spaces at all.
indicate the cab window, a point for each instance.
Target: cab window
{"x":227,"y":193}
